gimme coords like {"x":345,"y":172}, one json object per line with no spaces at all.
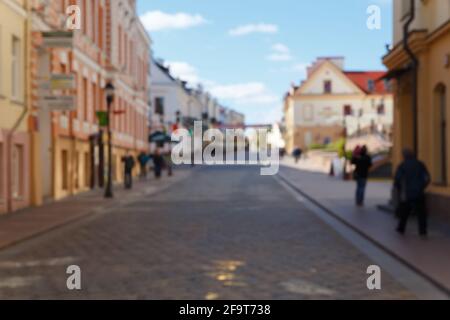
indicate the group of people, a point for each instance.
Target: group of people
{"x":160,"y":161}
{"x":411,"y":180}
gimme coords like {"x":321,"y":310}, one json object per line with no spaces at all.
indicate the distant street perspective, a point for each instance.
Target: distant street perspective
{"x":220,"y":233}
{"x":224,"y":150}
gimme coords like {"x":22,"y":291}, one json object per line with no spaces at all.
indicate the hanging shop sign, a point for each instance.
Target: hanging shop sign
{"x":103,"y":118}
{"x":58,"y":103}
{"x":57,"y":39}
{"x":57,"y":82}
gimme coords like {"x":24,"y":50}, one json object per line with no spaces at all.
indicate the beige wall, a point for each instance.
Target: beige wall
{"x":432,"y":47}
{"x":430,"y":15}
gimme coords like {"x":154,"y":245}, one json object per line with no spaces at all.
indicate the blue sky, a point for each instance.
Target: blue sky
{"x":248,"y":52}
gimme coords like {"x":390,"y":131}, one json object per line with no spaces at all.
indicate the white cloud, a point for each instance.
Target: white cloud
{"x":279,"y":47}
{"x":245,"y":93}
{"x":158,"y":20}
{"x":253,"y":28}
{"x":280,"y":52}
{"x":300,"y":68}
{"x":187,"y":72}
{"x":184,"y":71}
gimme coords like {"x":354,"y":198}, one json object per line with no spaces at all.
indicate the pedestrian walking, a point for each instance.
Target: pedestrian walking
{"x":168,"y":163}
{"x":158,"y":163}
{"x":129,"y":163}
{"x":282,"y":153}
{"x":411,"y":180}
{"x":297,"y":153}
{"x":143,"y":159}
{"x":363,"y":162}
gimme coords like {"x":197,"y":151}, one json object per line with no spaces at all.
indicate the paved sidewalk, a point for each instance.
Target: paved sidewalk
{"x":430,"y":257}
{"x":31,"y":222}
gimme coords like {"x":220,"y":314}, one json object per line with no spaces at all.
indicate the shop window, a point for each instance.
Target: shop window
{"x":440,"y":135}
{"x":87,"y":170}
{"x":77,"y":170}
{"x":17,"y":171}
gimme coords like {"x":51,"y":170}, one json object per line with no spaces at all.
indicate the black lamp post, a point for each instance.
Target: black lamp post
{"x":109,"y":91}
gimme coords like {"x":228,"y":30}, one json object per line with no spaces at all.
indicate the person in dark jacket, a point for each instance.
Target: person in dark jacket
{"x":143,"y":159}
{"x":297,"y":153}
{"x":411,"y":180}
{"x":128,"y":165}
{"x":158,"y":163}
{"x":363,"y":163}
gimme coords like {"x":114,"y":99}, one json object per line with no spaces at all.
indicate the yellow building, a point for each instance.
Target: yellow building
{"x":14,"y":139}
{"x":422,"y":107}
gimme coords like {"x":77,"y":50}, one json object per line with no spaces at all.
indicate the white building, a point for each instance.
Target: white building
{"x":173,"y":102}
{"x":331,"y":98}
{"x":170,"y":98}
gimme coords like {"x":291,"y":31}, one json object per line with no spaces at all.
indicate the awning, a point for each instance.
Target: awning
{"x":159,"y":137}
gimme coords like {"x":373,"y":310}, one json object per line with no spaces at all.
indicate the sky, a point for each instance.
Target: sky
{"x":247,"y":53}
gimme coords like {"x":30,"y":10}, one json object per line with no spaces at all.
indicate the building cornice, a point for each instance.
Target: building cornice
{"x":17,"y":8}
{"x":397,"y":57}
{"x":439,"y":32}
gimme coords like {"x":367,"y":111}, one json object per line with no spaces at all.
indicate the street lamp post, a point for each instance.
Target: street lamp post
{"x":109,"y":91}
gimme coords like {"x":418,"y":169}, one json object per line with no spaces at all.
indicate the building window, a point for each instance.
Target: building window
{"x":327,"y":86}
{"x":371,"y":85}
{"x":440,"y":135}
{"x":348,"y":110}
{"x":308,"y":113}
{"x":388,"y":85}
{"x":159,"y":106}
{"x":381,"y":110}
{"x":85,"y":99}
{"x":17,"y":171}
{"x":15,"y":68}
{"x":84,"y":16}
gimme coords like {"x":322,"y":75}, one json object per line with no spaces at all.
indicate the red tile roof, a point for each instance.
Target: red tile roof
{"x":361,"y":79}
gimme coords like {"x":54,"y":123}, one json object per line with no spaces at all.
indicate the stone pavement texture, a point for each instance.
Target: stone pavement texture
{"x":222,"y":233}
{"x":430,"y":257}
{"x":31,"y":222}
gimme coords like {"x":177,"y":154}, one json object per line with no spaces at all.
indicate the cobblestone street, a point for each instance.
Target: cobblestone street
{"x":222,"y":233}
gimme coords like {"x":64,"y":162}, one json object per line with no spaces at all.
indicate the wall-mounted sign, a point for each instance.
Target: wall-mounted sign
{"x":58,"y":103}
{"x":57,"y":39}
{"x":102,"y":117}
{"x":58,"y":82}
